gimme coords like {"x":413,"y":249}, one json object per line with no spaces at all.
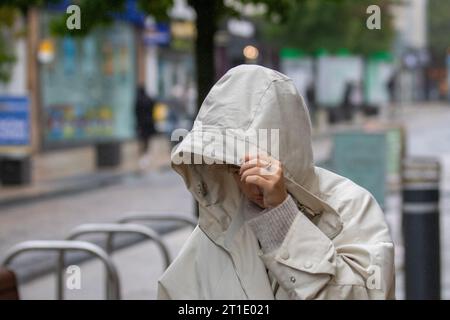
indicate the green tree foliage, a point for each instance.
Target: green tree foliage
{"x":98,"y":12}
{"x":7,"y":57}
{"x":209,"y":13}
{"x":10,"y":10}
{"x":93,"y":13}
{"x":332,"y":25}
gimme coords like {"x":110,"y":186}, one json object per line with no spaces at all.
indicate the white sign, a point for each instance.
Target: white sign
{"x":333,"y":74}
{"x":300,"y":70}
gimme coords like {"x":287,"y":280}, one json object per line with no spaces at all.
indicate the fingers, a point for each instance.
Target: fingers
{"x":254,"y":171}
{"x":267,"y":173}
{"x":252,"y":163}
{"x":258,"y":181}
{"x":253,"y":192}
{"x":261,"y":161}
{"x":261,"y":156}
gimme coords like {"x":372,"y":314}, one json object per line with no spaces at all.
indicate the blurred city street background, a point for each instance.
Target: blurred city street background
{"x":77,"y":111}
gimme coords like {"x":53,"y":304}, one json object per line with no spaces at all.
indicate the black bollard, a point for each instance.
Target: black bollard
{"x":108,"y":154}
{"x":421,"y":228}
{"x":15,"y":170}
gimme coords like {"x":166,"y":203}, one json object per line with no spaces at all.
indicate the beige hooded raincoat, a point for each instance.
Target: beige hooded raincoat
{"x":337,"y":247}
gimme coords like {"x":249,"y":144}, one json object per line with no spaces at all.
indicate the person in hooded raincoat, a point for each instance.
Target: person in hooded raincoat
{"x":271,"y":224}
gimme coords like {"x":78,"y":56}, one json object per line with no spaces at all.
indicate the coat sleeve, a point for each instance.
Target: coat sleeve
{"x":357,"y":264}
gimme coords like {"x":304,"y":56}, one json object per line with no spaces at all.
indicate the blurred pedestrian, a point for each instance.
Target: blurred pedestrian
{"x":145,"y":127}
{"x":272,"y":226}
{"x":392,"y":86}
{"x":311,"y":99}
{"x":347,"y":105}
{"x":353,"y":100}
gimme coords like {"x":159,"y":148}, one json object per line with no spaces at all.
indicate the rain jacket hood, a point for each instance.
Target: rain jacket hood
{"x":250,"y":109}
{"x":256,"y":109}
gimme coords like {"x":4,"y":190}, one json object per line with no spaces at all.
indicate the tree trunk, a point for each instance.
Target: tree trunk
{"x":206,"y":24}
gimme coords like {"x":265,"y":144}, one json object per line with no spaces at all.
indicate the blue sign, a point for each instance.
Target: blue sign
{"x":14,"y":120}
{"x":130,"y":13}
{"x":157,"y":34}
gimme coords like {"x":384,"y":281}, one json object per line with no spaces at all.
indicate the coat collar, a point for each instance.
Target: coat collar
{"x":222,"y":228}
{"x":241,"y":244}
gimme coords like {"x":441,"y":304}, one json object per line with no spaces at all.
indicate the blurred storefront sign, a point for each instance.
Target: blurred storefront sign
{"x":15,"y":131}
{"x":333,"y":75}
{"x":240,"y":28}
{"x":183,"y":29}
{"x":182,"y":26}
{"x":298,"y":67}
{"x":376,"y":77}
{"x":46,"y":51}
{"x":156,"y":34}
{"x":14,"y":121}
{"x":176,"y":84}
{"x":183,"y":35}
{"x":170,"y":74}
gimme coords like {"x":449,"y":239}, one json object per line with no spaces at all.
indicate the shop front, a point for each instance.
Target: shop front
{"x":170,"y":76}
{"x":87,"y":85}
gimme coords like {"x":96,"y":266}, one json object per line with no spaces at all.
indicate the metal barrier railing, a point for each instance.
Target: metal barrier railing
{"x":111,"y":229}
{"x":61,"y":246}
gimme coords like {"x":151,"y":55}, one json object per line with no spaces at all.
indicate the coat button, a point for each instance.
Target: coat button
{"x":285,"y":255}
{"x":292,"y":279}
{"x":308,"y":264}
